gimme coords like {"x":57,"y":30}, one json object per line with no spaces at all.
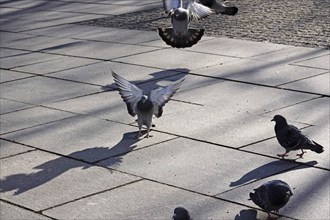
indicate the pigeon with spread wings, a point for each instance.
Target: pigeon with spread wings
{"x":179,"y":35}
{"x":142,"y":105}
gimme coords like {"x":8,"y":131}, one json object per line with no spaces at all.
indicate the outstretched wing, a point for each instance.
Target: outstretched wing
{"x":130,"y":93}
{"x":162,"y":95}
{"x":171,"y":4}
{"x":198,"y":11}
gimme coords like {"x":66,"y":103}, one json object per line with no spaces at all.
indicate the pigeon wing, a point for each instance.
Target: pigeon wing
{"x":161,"y":95}
{"x":197,"y":11}
{"x":130,"y":93}
{"x":290,"y":137}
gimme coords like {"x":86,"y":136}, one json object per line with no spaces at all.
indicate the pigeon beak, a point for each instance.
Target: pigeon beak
{"x":272,"y":119}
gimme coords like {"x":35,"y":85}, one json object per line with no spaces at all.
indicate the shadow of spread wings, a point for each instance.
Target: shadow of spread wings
{"x":130,"y":93}
{"x":162,"y":95}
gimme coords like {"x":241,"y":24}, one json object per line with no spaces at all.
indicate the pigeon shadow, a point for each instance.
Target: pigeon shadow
{"x":270,"y":169}
{"x":83,"y":159}
{"x":157,"y":76}
{"x":247,"y":214}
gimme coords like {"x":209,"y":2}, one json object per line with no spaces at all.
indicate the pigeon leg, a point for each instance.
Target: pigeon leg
{"x":148,"y":129}
{"x":140,"y":127}
{"x":283,"y":155}
{"x":270,"y":217}
{"x":302,"y":153}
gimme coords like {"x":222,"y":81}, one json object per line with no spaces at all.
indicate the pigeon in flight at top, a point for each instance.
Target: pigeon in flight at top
{"x":272,"y":195}
{"x":181,"y":213}
{"x":219,"y":7}
{"x":291,"y":138}
{"x":142,"y":105}
{"x":180,"y":36}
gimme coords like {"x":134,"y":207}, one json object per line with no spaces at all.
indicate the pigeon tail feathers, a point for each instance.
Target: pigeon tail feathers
{"x":316,"y":147}
{"x":193,"y":36}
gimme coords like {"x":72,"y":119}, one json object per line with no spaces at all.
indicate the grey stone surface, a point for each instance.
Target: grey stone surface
{"x":8,"y":148}
{"x":86,"y":138}
{"x":39,"y":180}
{"x":12,"y":212}
{"x":42,"y":90}
{"x":10,"y":52}
{"x":261,"y":72}
{"x":200,"y":167}
{"x":149,"y":200}
{"x":8,"y":75}
{"x":29,"y":118}
{"x":7,"y":106}
{"x":322,"y":62}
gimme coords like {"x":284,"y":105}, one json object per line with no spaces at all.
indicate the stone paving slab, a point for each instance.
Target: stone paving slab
{"x":10,"y":52}
{"x":10,"y":106}
{"x":86,"y":138}
{"x":9,"y":148}
{"x":52,"y":90}
{"x":189,"y":160}
{"x":148,"y":200}
{"x":39,"y":180}
{"x":322,"y":62}
{"x":12,"y":212}
{"x":311,"y":190}
{"x":29,"y":118}
{"x":8,"y":75}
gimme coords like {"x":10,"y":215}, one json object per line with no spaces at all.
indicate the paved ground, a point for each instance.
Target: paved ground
{"x":69,"y":148}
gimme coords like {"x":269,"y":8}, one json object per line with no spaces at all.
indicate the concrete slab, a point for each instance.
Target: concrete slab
{"x":9,"y":52}
{"x":317,"y":84}
{"x":311,"y":190}
{"x":98,"y":50}
{"x":7,"y":106}
{"x":210,"y":172}
{"x":86,"y":138}
{"x":26,"y":59}
{"x":176,"y":58}
{"x":40,"y":175}
{"x":8,"y":149}
{"x":12,"y":212}
{"x":322,"y":62}
{"x":23,"y":25}
{"x":52,"y":90}
{"x":261,"y":72}
{"x":29,"y":118}
{"x":8,"y":75}
{"x":147,"y":200}
{"x":236,"y":47}
{"x":56,"y":65}
{"x":10,"y":37}
{"x":291,"y":55}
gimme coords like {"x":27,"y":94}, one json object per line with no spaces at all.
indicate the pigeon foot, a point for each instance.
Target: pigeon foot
{"x":282,"y":155}
{"x":302,"y":153}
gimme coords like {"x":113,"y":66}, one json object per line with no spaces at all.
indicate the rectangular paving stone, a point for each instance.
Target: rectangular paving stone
{"x":236,"y":47}
{"x":322,"y":62}
{"x":29,"y":118}
{"x":199,"y":166}
{"x":174,"y":58}
{"x":261,"y":72}
{"x":4,"y":52}
{"x":148,"y":200}
{"x":311,"y":191}
{"x":317,"y":84}
{"x":99,"y":50}
{"x":8,"y":75}
{"x":18,"y":25}
{"x":42,"y":90}
{"x":9,"y":148}
{"x":86,"y":138}
{"x":12,"y":212}
{"x":39,"y":180}
{"x":7,"y":106}
{"x":56,"y":65}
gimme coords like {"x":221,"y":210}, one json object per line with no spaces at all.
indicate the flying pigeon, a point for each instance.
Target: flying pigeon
{"x":142,"y":105}
{"x":180,"y":36}
{"x":219,"y":7}
{"x":181,"y":213}
{"x":291,"y":138}
{"x":272,"y":195}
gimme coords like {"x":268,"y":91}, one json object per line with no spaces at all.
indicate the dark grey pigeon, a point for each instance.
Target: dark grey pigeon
{"x":181,"y":213}
{"x":180,"y":35}
{"x":291,"y":138}
{"x":142,"y":105}
{"x":272,"y":195}
{"x":219,"y":7}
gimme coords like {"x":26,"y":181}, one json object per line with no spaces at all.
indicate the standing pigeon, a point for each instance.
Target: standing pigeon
{"x":291,"y":138}
{"x":181,"y":213}
{"x":219,"y":7}
{"x":142,"y":105}
{"x":180,"y":36}
{"x":272,"y":195}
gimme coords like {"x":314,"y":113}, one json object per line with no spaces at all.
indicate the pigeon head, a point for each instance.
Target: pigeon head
{"x":144,"y":105}
{"x":144,"y":98}
{"x":279,"y":119}
{"x":280,"y":195}
{"x":181,"y":213}
{"x":180,"y":14}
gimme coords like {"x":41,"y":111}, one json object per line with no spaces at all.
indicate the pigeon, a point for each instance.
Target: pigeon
{"x":219,"y":7}
{"x":142,"y":105}
{"x":272,"y":195}
{"x":291,"y":138}
{"x":181,"y":213}
{"x":179,"y":35}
